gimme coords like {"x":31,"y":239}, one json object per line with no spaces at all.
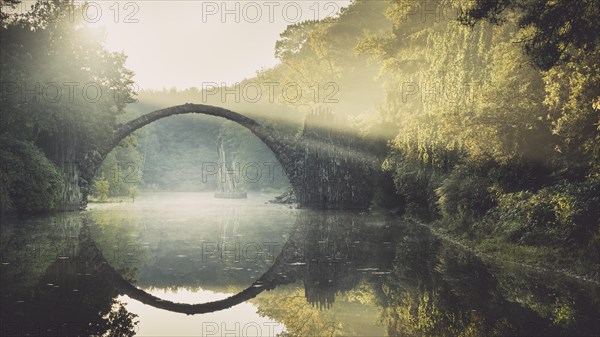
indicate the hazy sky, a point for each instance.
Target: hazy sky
{"x":185,"y":43}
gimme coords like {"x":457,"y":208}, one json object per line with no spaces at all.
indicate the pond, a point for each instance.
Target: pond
{"x":187,"y":264}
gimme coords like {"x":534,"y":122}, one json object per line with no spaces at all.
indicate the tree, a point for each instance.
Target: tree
{"x":101,"y":188}
{"x":554,"y":30}
{"x":119,"y":321}
{"x":4,"y":6}
{"x":61,"y":89}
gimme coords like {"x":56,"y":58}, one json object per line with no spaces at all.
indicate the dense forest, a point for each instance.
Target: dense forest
{"x":484,"y":116}
{"x":52,"y":110}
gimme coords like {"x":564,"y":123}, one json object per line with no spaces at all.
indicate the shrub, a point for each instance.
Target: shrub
{"x":519,"y":175}
{"x":101,"y":188}
{"x":464,"y":195}
{"x":566,"y":213}
{"x":30,"y":181}
{"x":415,"y":184}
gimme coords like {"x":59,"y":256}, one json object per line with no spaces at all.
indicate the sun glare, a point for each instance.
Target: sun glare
{"x":206,"y":42}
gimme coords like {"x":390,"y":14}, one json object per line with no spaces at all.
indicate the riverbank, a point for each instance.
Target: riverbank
{"x":544,"y":259}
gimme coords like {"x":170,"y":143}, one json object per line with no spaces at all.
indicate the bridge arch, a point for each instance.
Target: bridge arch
{"x":284,"y":148}
{"x":269,"y":136}
{"x":324,"y":170}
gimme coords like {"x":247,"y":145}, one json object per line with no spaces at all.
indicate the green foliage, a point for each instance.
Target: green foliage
{"x":494,"y":138}
{"x":299,"y":316}
{"x":519,"y":174}
{"x":175,"y":152}
{"x":30,"y":182}
{"x":415,"y":184}
{"x":101,"y":188}
{"x":571,"y":89}
{"x":563,"y":214}
{"x":60,"y":51}
{"x":119,"y":321}
{"x":386,"y":196}
{"x":61,"y":90}
{"x":464,"y":195}
{"x":555,"y":28}
{"x":123,"y":167}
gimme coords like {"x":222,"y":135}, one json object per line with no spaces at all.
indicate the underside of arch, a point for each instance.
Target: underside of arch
{"x":284,"y":148}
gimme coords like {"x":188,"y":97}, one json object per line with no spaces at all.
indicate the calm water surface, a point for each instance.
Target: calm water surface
{"x":187,"y":264}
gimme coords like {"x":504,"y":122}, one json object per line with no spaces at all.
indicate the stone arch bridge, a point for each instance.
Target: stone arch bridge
{"x":324,"y":170}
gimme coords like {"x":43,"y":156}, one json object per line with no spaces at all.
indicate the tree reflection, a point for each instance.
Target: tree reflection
{"x":335,"y":274}
{"x":422,"y":286}
{"x":436,"y":290}
{"x":69,"y":297}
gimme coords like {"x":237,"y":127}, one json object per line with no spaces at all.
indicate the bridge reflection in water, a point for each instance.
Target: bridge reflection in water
{"x":418,"y":285}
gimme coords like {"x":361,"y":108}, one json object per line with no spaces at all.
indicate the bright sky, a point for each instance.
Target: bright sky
{"x":186,"y":43}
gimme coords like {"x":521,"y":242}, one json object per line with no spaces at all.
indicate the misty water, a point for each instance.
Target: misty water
{"x":124,"y":268}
